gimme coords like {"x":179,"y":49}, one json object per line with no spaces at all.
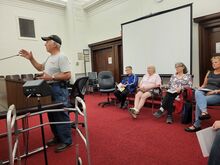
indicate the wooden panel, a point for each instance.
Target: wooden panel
{"x":209,"y":34}
{"x":214,"y":37}
{"x":11,"y":92}
{"x":103,"y":50}
{"x":3,"y":94}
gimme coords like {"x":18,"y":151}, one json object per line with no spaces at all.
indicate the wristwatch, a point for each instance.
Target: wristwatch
{"x":53,"y":77}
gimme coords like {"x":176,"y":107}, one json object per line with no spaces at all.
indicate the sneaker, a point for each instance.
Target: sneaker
{"x":206,"y":116}
{"x":132,"y":112}
{"x":134,"y":115}
{"x":192,"y":129}
{"x":169,"y":119}
{"x":125,"y":106}
{"x":61,"y":147}
{"x":158,"y":114}
{"x":52,"y":142}
{"x":136,"y":112}
{"x":119,"y":105}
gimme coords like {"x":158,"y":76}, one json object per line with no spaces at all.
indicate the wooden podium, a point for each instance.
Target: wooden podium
{"x":11,"y":92}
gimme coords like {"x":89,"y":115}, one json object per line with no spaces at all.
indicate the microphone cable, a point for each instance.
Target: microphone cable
{"x":1,"y":59}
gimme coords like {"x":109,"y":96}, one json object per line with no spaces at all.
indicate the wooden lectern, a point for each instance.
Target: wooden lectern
{"x":11,"y":92}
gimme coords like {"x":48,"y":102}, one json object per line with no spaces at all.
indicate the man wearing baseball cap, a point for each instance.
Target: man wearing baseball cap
{"x":56,"y":71}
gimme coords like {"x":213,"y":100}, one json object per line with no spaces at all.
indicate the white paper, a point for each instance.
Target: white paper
{"x":109,"y":60}
{"x":119,"y":86}
{"x":171,"y":91}
{"x":205,"y":89}
{"x":217,"y":47}
{"x":206,"y":138}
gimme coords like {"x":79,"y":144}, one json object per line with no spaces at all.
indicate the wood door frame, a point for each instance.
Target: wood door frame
{"x":113,"y":43}
{"x":205,"y":24}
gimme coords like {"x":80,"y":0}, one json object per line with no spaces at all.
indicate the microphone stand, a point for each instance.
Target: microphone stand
{"x":42,"y":129}
{"x":1,"y":59}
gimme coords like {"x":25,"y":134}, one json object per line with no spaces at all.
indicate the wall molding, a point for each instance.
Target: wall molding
{"x":38,"y":6}
{"x":98,"y":6}
{"x":58,"y":3}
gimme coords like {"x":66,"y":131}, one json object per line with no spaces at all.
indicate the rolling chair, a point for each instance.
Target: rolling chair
{"x":106,"y":85}
{"x":93,"y":81}
{"x":13,"y":77}
{"x":26,"y":77}
{"x":78,"y":89}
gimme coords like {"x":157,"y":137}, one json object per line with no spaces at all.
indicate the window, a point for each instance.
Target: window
{"x":26,"y":28}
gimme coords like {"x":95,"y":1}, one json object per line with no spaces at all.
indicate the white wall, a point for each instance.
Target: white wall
{"x":105,"y":21}
{"x":78,"y":29}
{"x":47,"y":21}
{"x":69,"y":23}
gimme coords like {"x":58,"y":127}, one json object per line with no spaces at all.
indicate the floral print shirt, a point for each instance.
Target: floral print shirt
{"x":184,"y":81}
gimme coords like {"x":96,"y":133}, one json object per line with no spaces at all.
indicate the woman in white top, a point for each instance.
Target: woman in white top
{"x":149,"y":81}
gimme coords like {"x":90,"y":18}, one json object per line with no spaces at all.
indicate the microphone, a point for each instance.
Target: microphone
{"x":1,"y":59}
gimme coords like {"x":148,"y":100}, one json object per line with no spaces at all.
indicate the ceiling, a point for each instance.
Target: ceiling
{"x":82,"y":2}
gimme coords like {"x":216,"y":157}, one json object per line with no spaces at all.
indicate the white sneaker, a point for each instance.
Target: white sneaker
{"x":132,"y":112}
{"x":136,"y":111}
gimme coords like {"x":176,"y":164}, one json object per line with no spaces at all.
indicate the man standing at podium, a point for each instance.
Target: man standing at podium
{"x":56,"y":71}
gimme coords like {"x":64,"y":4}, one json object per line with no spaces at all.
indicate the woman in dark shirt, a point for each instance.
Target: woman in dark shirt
{"x":207,"y":94}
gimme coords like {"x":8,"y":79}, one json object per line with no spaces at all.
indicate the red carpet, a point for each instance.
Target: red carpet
{"x":117,"y":139}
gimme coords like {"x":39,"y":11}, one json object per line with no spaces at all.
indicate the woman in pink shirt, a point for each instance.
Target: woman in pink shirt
{"x":149,"y":81}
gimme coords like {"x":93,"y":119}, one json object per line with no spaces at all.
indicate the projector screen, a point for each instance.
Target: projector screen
{"x":160,"y":39}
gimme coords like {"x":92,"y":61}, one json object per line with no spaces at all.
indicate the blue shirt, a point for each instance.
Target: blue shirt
{"x":131,"y":82}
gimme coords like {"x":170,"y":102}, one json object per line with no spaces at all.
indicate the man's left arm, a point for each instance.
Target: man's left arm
{"x":62,"y":76}
{"x":65,"y":71}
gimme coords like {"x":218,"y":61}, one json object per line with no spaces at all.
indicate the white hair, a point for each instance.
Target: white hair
{"x":57,"y":44}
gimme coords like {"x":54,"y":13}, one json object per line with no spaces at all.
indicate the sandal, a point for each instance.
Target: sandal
{"x":192,"y":129}
{"x":204,"y":116}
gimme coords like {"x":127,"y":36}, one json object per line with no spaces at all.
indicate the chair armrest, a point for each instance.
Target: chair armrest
{"x":188,"y":94}
{"x":156,"y":92}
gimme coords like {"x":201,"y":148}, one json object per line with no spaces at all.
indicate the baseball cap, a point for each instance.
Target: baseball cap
{"x":54,"y":38}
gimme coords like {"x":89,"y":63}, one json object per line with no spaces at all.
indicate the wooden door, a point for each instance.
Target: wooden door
{"x":104,"y":60}
{"x":209,"y":36}
{"x":215,"y":38}
{"x":107,"y":56}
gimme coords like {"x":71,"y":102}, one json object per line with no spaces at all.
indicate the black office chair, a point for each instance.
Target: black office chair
{"x":106,"y":85}
{"x":13,"y":77}
{"x":26,"y":77}
{"x":93,"y":81}
{"x":78,"y":89}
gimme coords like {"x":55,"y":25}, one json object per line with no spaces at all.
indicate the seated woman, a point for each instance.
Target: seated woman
{"x":149,"y":81}
{"x":178,"y":82}
{"x":207,"y":94}
{"x":127,"y":85}
{"x":215,"y":150}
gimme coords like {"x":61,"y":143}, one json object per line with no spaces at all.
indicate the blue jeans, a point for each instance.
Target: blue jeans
{"x":201,"y":104}
{"x":62,"y":132}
